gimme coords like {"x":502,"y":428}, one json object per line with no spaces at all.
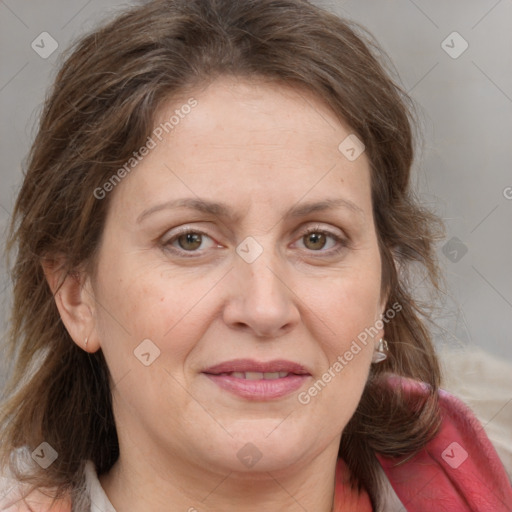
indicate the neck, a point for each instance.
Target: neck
{"x":307,"y":486}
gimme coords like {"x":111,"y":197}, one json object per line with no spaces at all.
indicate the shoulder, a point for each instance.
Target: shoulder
{"x":13,"y":498}
{"x":459,"y":469}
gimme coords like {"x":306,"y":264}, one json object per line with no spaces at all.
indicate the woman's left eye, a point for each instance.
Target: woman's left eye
{"x":316,"y":239}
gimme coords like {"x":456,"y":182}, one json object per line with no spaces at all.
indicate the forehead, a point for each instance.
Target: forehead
{"x":248,"y":140}
{"x":250,"y":112}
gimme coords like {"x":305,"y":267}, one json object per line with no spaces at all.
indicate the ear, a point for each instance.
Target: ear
{"x":75,"y":301}
{"x":384,"y":297}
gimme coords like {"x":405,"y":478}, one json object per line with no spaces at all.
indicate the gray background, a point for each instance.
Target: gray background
{"x":466,"y":105}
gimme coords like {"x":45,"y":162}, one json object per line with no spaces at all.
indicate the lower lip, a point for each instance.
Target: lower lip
{"x":261,"y":389}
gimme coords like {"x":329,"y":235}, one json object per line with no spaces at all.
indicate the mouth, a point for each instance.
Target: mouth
{"x":256,"y":380}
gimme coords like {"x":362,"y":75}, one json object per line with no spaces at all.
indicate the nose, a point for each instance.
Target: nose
{"x":262,"y":301}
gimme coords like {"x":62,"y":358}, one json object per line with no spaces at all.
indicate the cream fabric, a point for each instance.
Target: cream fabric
{"x":484,"y":383}
{"x":99,"y":500}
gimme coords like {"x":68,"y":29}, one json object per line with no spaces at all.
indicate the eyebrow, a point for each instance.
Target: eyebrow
{"x":223,"y":210}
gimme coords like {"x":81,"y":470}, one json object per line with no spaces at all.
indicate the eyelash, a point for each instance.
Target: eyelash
{"x":342,"y":242}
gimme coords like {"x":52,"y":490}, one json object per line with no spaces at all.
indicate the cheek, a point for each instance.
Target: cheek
{"x":349,"y":302}
{"x":343,"y":316}
{"x":138,"y":302}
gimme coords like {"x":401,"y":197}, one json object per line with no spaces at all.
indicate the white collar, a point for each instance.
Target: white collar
{"x":97,"y":496}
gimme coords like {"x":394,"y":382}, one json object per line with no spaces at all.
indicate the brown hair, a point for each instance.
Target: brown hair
{"x":102,"y":107}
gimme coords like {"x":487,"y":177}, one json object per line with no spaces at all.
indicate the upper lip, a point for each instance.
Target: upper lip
{"x":251,"y":365}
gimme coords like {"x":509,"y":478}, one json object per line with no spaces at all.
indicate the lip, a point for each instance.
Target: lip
{"x":260,"y":389}
{"x":251,"y":365}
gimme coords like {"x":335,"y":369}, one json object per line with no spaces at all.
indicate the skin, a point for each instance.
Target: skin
{"x":261,"y":149}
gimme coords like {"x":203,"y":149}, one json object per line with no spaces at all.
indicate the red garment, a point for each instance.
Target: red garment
{"x":347,"y":499}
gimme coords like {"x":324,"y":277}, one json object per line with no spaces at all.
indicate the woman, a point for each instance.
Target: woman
{"x":212,"y":307}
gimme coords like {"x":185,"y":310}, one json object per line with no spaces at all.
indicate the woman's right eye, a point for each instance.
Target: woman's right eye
{"x":187,"y":240}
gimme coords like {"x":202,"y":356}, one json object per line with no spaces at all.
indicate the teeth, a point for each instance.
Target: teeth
{"x":253,"y":375}
{"x":258,"y":375}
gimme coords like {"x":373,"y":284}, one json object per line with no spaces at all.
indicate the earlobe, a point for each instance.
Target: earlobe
{"x":74,"y":299}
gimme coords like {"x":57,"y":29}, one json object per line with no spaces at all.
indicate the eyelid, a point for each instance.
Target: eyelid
{"x":317,"y":227}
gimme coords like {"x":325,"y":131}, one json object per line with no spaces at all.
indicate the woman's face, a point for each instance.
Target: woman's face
{"x":248,"y":171}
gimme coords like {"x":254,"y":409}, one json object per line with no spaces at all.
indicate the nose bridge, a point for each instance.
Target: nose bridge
{"x":263,"y":301}
{"x":259,"y":266}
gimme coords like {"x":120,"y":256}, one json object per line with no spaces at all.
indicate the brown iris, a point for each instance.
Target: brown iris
{"x":318,"y":240}
{"x":194,"y":239}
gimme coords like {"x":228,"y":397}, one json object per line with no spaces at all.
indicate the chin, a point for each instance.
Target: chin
{"x":262,"y":450}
